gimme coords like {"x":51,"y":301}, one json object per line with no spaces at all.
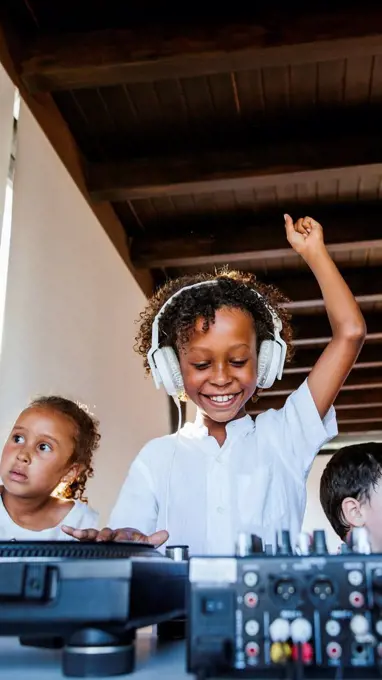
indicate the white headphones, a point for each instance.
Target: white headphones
{"x":164,"y":363}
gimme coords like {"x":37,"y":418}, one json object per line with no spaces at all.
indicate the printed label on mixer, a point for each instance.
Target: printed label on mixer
{"x":290,"y":614}
{"x":214,"y":570}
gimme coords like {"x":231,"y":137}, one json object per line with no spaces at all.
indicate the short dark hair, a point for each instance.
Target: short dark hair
{"x":232,"y":289}
{"x":86,"y":439}
{"x":353,"y":471}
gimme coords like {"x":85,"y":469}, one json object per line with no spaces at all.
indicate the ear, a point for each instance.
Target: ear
{"x":353,"y":512}
{"x":72,"y":473}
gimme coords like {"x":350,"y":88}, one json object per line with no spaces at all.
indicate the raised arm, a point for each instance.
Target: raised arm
{"x":348,"y":325}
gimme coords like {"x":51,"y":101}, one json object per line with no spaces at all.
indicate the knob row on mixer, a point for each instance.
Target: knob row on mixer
{"x":249,"y":544}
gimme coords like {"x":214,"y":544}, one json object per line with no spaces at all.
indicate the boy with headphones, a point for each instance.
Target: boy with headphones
{"x":217,"y":341}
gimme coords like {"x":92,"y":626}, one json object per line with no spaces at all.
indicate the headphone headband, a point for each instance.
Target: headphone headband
{"x":277,"y":325}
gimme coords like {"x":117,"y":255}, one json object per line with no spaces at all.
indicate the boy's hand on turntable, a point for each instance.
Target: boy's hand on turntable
{"x":126,"y":534}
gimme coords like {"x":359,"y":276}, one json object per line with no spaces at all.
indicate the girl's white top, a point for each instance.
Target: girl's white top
{"x":81,"y":516}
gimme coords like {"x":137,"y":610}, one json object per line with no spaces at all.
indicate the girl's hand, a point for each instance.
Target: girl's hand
{"x":305,"y":236}
{"x":118,"y":535}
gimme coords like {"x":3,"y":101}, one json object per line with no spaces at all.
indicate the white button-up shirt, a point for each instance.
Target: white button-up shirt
{"x":204,"y":495}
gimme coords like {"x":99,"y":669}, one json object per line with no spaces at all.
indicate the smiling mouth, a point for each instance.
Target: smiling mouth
{"x":222,"y":400}
{"x":17,"y":476}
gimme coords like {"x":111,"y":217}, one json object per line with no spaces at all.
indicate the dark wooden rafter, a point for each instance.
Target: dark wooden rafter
{"x":352,"y":229}
{"x":304,"y":292}
{"x":305,"y":358}
{"x":314,"y":330}
{"x":252,"y":168}
{"x":347,"y":401}
{"x":102,"y":58}
{"x":357,"y":380}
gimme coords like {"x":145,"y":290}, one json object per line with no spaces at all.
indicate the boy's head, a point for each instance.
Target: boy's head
{"x":51,"y":445}
{"x":216,"y":332}
{"x":351,"y":491}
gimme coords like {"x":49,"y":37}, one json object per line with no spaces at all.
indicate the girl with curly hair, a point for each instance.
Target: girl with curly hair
{"x":44,"y":468}
{"x":218,"y":340}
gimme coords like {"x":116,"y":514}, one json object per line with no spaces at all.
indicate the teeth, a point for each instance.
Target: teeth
{"x":222,"y":398}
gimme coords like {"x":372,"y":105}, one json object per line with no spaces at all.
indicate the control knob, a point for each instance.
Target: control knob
{"x":319,"y":542}
{"x":243,"y":544}
{"x":178,"y":553}
{"x":283,"y":543}
{"x":359,"y":541}
{"x":304,"y":544}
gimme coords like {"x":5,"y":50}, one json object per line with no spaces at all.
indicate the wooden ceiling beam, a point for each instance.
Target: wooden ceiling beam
{"x":305,"y":358}
{"x":303,"y":290}
{"x":347,"y":401}
{"x":356,"y":381}
{"x":360,"y":427}
{"x":152,"y":53}
{"x":265,"y":239}
{"x":255,"y":168}
{"x":315,"y":331}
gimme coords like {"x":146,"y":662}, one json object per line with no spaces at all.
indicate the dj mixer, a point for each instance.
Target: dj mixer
{"x":301,"y":614}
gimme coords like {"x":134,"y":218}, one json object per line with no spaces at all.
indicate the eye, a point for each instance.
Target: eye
{"x":44,"y":447}
{"x":201,"y":366}
{"x":18,"y":438}
{"x":239,"y":363}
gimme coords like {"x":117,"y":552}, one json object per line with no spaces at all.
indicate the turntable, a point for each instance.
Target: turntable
{"x":89,"y":598}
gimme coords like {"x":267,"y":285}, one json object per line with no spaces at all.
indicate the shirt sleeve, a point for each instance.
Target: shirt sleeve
{"x":302,"y":431}
{"x":136,"y":506}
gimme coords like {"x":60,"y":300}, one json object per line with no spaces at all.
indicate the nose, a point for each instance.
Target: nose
{"x":23,"y":455}
{"x":221,"y":375}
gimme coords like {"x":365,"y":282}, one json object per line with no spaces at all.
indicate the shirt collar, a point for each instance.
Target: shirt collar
{"x":237,"y":427}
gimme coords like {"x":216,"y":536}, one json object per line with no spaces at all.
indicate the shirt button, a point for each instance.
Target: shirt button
{"x":220,"y":510}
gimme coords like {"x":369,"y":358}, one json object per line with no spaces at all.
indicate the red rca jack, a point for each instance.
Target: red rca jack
{"x":306,"y":653}
{"x":334,"y":650}
{"x":252,"y":649}
{"x":251,"y":600}
{"x":356,"y":599}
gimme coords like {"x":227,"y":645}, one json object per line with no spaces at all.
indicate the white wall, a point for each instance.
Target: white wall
{"x":69,"y":318}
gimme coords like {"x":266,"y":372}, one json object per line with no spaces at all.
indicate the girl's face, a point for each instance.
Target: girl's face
{"x":219,"y":367}
{"x":36,"y":456}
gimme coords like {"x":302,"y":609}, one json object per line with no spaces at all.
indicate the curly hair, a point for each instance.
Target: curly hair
{"x":86,"y":440}
{"x":233,"y":289}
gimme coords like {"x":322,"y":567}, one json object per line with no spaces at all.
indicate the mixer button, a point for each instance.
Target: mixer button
{"x":378,"y":627}
{"x":355,"y":577}
{"x":252,"y":627}
{"x":359,"y":625}
{"x":333,"y":628}
{"x":301,"y":630}
{"x":279,"y":630}
{"x":251,"y":579}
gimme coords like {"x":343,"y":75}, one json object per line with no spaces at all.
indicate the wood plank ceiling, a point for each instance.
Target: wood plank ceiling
{"x":201,"y":133}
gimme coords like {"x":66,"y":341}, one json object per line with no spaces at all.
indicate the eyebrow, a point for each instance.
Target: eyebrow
{"x":42,"y":436}
{"x":208,"y":349}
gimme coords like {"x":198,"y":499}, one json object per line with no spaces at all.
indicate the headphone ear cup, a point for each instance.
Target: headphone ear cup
{"x":169,"y":370}
{"x":268,"y":363}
